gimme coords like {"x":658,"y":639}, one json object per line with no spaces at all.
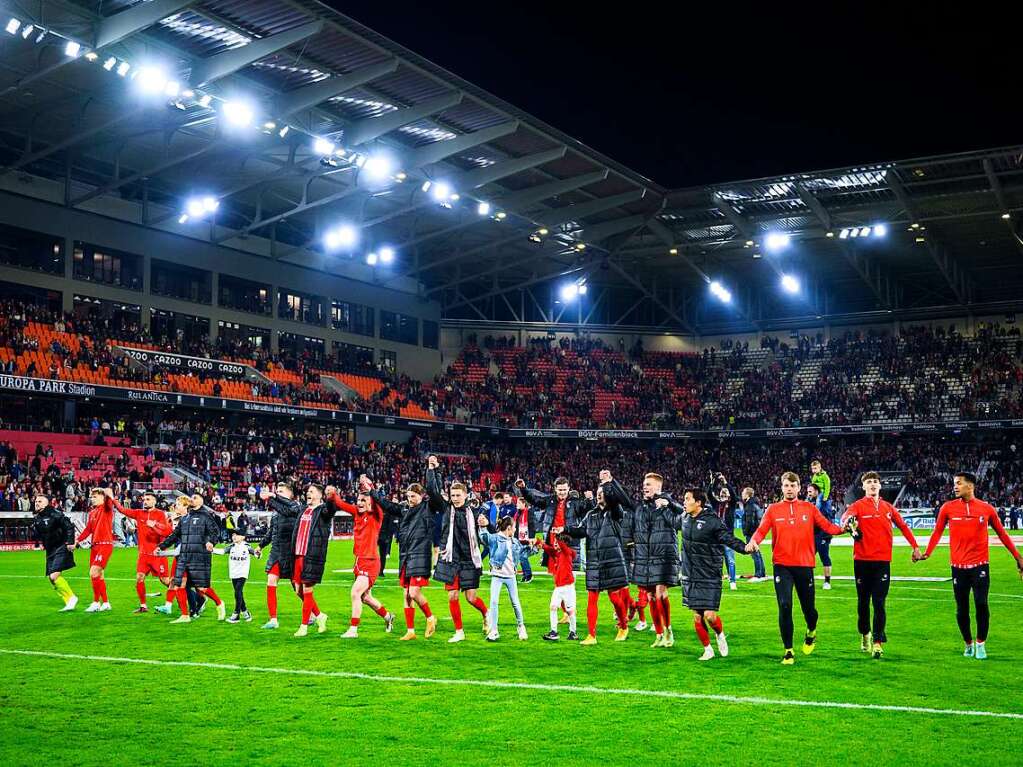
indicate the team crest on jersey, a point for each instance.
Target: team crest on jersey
{"x":805,"y":518}
{"x":699,"y":525}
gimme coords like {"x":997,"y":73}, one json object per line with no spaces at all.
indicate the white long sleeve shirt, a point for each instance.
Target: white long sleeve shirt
{"x":240,"y":557}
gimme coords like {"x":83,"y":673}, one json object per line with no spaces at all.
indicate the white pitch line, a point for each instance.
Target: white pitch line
{"x":493,"y":684}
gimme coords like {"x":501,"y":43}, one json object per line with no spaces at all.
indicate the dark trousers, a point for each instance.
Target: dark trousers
{"x":977,"y":580}
{"x":384,"y":546}
{"x":872,"y":582}
{"x":195,"y":599}
{"x":785,"y":578}
{"x":239,"y":595}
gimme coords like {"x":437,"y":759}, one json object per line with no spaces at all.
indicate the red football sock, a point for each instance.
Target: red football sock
{"x":480,"y":605}
{"x":355,"y":621}
{"x":183,"y":600}
{"x":591,"y":611}
{"x":103,"y":589}
{"x":410,"y":618}
{"x":212,"y":595}
{"x":456,"y":613}
{"x":618,"y":600}
{"x":701,"y":630}
{"x":642,"y":612}
{"x":140,"y":589}
{"x":655,"y":614}
{"x":95,"y":589}
{"x":271,"y":601}
{"x":170,"y":595}
{"x":308,"y":607}
{"x":381,"y":611}
{"x":665,"y":611}
{"x":717,"y":625}
{"x":425,"y":607}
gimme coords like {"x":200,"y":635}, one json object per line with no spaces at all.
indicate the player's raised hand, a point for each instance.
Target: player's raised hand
{"x":520,"y":483}
{"x":588,"y":495}
{"x":432,"y":462}
{"x":605,"y":476}
{"x":330,"y":490}
{"x":661,"y":503}
{"x":265,"y":492}
{"x":209,"y":547}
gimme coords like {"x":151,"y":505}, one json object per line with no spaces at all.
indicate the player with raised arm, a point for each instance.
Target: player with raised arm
{"x":368,"y":517}
{"x":100,"y":529}
{"x":282,"y":527}
{"x":968,"y":519}
{"x":309,"y":544}
{"x":153,"y":526}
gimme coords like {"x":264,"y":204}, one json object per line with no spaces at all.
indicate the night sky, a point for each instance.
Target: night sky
{"x":727,"y":93}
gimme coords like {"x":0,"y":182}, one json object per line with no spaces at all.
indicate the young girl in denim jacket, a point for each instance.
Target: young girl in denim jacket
{"x":504,"y":552}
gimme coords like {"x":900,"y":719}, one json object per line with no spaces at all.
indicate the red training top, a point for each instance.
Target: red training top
{"x":559,"y":562}
{"x":791,"y":525}
{"x":100,"y":525}
{"x":559,"y":513}
{"x":967,"y":532}
{"x":367,"y":528}
{"x":305,"y":527}
{"x":875,"y":520}
{"x":149,"y":537}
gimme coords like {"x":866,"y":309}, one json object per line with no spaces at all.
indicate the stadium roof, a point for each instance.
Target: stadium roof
{"x":409,"y":151}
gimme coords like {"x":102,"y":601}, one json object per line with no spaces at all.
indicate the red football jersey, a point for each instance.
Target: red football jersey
{"x":791,"y":525}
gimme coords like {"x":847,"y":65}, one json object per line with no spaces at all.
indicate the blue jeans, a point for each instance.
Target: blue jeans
{"x":496,"y":583}
{"x":759,"y":571}
{"x":730,"y":562}
{"x":527,"y":571}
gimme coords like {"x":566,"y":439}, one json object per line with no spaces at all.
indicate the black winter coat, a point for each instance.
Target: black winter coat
{"x":752,"y":513}
{"x":197,"y":528}
{"x":726,"y":510}
{"x":605,"y":552}
{"x":55,"y":532}
{"x":415,"y":535}
{"x":279,"y":536}
{"x":545,"y":506}
{"x":461,"y":564}
{"x":652,"y":538}
{"x":319,"y":536}
{"x":704,"y":538}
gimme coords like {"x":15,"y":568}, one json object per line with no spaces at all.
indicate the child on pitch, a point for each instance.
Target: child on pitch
{"x":239,"y":555}
{"x":560,"y":561}
{"x":504,"y":553}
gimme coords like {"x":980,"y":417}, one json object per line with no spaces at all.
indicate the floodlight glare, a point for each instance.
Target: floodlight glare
{"x":776,"y":241}
{"x":238,"y":113}
{"x":323,"y":146}
{"x":569,"y":291}
{"x":72,"y":49}
{"x":483,"y":208}
{"x":789,"y":283}
{"x":386,"y":255}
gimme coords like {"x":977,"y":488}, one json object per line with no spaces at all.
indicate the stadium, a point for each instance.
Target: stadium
{"x":335,"y":388}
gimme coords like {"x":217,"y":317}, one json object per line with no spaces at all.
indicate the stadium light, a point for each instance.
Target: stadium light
{"x":27,"y":31}
{"x":323,"y":146}
{"x":13,"y":26}
{"x":171,"y":89}
{"x":880,"y":230}
{"x":776,"y":241}
{"x":789,"y":283}
{"x":441,"y":191}
{"x":284,"y":131}
{"x":150,"y":80}
{"x":109,"y":63}
{"x":483,"y":208}
{"x":343,"y":236}
{"x":583,"y":289}
{"x":205,"y":100}
{"x":371,"y":259}
{"x":386,"y":255}
{"x":238,"y":113}
{"x":844,"y":234}
{"x":378,"y":166}
{"x":569,"y":292}
{"x":122,"y":68}
{"x":865,"y":231}
{"x":72,"y":49}
{"x":720,"y":291}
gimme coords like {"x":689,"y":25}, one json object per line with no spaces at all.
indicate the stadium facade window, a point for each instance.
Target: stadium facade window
{"x":26,"y":249}
{"x":299,"y":307}
{"x":257,"y":338}
{"x":244,"y":295}
{"x":431,"y":334}
{"x":308,"y":347}
{"x":402,"y":328}
{"x":92,"y":263}
{"x":179,"y":329}
{"x":352,"y":318}
{"x":389,"y":360}
{"x":354,"y":358}
{"x":51,"y":300}
{"x":182,"y":282}
{"x":115,"y":313}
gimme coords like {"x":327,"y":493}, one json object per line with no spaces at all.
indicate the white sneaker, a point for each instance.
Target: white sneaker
{"x":221,"y":612}
{"x":708,"y":653}
{"x":303,"y":630}
{"x":321,"y":623}
{"x":458,"y":636}
{"x":722,"y":645}
{"x":92,"y":608}
{"x":271,"y":624}
{"x":827,"y":585}
{"x":641,"y":626}
{"x":522,"y":633}
{"x":71,"y":604}
{"x":105,"y":607}
{"x":732,"y":585}
{"x":352,"y":633}
{"x":493,"y":636}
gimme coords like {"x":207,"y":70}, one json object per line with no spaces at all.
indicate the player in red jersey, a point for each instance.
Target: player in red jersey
{"x":872,"y":559}
{"x":100,"y":528}
{"x":153,"y":526}
{"x":968,"y":519}
{"x":368,"y":518}
{"x":791,"y":523}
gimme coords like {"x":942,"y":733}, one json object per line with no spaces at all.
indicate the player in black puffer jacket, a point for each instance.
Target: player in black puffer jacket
{"x":196,"y":534}
{"x":279,"y":538}
{"x":415,"y":552}
{"x":309,"y":542}
{"x":56,"y":533}
{"x":704,"y":538}
{"x":606,"y":569}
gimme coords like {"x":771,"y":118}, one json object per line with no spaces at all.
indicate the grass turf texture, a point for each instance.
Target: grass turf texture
{"x":60,"y":710}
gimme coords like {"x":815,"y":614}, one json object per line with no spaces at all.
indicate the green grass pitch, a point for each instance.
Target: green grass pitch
{"x":250,"y":698}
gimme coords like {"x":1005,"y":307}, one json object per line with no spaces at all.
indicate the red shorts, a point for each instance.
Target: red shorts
{"x":275,"y":569}
{"x":370,"y":568}
{"x":453,"y":586}
{"x":407,"y":582}
{"x":99,"y":556}
{"x":150,"y":565}
{"x":296,"y":572}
